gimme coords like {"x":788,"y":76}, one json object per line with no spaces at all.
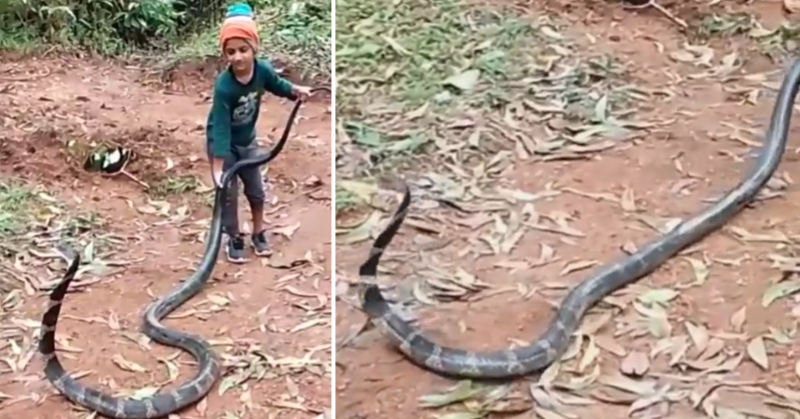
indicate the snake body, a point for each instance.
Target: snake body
{"x":508,"y":363}
{"x":209,"y":366}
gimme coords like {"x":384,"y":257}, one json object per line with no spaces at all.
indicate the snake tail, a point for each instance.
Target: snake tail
{"x":118,"y":407}
{"x":553,"y":343}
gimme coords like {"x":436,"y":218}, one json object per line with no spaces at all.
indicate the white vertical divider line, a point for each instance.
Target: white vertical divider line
{"x":333,"y":208}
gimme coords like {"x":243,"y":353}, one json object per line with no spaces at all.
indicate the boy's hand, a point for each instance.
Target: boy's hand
{"x":217,"y":175}
{"x":302,"y":92}
{"x":216,"y":171}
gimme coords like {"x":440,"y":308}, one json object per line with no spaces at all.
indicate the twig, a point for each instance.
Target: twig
{"x":652,"y":3}
{"x":27,"y":78}
{"x":129,"y":176}
{"x":135,"y":179}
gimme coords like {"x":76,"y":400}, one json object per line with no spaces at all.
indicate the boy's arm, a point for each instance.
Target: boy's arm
{"x":220,"y":132}
{"x":276,"y":84}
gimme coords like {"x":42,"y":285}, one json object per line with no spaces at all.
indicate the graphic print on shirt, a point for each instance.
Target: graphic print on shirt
{"x":244,"y":112}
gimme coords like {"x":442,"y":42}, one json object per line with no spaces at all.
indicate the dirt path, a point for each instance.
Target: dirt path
{"x":683,"y":343}
{"x":269,"y":319}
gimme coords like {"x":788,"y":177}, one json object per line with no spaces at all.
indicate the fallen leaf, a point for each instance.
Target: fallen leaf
{"x":363,"y":231}
{"x":287,"y":231}
{"x":202,"y":407}
{"x":363,"y":191}
{"x":738,"y":318}
{"x":660,"y":296}
{"x":635,"y":364}
{"x":628,"y":202}
{"x":589,"y":356}
{"x":464,"y":81}
{"x":700,"y":270}
{"x":698,"y":334}
{"x":779,"y":290}
{"x":577,"y":265}
{"x":757,"y":352}
{"x":457,"y":393}
{"x":127,"y":365}
{"x":610,"y":344}
{"x":621,"y":382}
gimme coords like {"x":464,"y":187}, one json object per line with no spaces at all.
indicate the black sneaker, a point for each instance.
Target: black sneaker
{"x":260,"y":244}
{"x":234,"y":249}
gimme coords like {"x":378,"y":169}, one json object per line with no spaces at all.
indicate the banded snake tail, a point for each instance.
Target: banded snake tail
{"x":209,"y":365}
{"x":508,"y":363}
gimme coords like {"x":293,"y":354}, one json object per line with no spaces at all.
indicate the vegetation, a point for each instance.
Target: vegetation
{"x":16,"y":203}
{"x":422,"y":84}
{"x":27,"y":213}
{"x":298,"y":32}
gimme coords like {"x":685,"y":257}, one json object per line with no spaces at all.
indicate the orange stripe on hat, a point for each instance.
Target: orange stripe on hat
{"x":239,"y":27}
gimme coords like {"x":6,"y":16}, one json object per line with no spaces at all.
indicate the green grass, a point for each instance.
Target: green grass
{"x":407,"y":50}
{"x":175,"y":185}
{"x":346,"y":200}
{"x":425,"y":85}
{"x":25,"y":209}
{"x":298,"y":33}
{"x":21,"y":41}
{"x":776,"y":42}
{"x":109,"y":28}
{"x":17,"y":204}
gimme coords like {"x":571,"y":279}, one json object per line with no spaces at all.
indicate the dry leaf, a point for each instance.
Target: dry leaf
{"x":578,"y":265}
{"x":610,"y":344}
{"x":698,"y":334}
{"x":287,"y":231}
{"x":635,"y":364}
{"x":127,"y":365}
{"x":737,"y":319}
{"x":658,"y":296}
{"x":757,"y":352}
{"x":628,"y":202}
{"x":591,"y":353}
{"x":700,"y":270}
{"x":202,"y":407}
{"x":713,"y":348}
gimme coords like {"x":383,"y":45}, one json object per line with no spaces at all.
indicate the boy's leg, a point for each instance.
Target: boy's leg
{"x":234,"y":248}
{"x":256,"y":197}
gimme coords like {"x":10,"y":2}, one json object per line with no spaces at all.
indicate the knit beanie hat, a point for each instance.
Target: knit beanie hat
{"x":239,"y":23}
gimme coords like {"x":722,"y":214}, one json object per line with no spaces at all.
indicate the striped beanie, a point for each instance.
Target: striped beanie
{"x":239,"y":23}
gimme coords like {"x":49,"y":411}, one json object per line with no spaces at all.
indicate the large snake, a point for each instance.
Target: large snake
{"x":508,"y":363}
{"x":209,"y":366}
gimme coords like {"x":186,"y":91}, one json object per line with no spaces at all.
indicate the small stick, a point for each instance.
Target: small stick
{"x":128,"y":175}
{"x":652,"y":3}
{"x":26,"y":78}
{"x":134,"y":178}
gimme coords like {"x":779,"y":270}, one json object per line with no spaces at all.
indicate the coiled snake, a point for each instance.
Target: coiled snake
{"x":209,"y":366}
{"x":508,"y":363}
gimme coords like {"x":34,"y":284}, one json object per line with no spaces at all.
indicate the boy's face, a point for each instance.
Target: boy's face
{"x":239,"y":55}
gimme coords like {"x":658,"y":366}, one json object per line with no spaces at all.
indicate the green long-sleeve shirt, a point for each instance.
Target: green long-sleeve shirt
{"x":235,"y":107}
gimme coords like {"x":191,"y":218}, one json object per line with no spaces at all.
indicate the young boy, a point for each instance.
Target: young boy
{"x":230,"y":131}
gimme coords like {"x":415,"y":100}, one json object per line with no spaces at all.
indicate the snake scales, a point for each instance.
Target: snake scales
{"x":554,"y":342}
{"x":209,"y":367}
